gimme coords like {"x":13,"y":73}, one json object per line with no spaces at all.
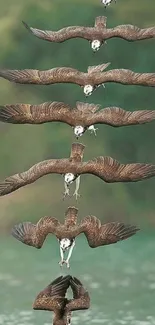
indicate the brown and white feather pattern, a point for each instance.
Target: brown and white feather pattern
{"x":83,"y":114}
{"x":52,"y":298}
{"x":94,"y":77}
{"x":99,"y":31}
{"x":96,"y":233}
{"x":71,"y":217}
{"x":108,"y":169}
{"x":81,"y":298}
{"x":45,"y":167}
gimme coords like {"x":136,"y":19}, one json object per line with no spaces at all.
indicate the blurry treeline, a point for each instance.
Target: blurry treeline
{"x":24,"y":145}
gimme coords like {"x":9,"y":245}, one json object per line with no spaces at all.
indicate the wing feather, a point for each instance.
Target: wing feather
{"x":45,"y":167}
{"x":35,"y":235}
{"x":132,"y":33}
{"x":36,"y":114}
{"x":111,"y":170}
{"x":116,"y":116}
{"x":46,"y":77}
{"x":52,"y":298}
{"x":61,"y":35}
{"x":125,"y":77}
{"x":110,"y":233}
{"x":81,"y":299}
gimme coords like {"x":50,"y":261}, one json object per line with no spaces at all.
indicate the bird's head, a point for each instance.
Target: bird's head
{"x":88,"y":90}
{"x":106,"y":2}
{"x":95,"y":45}
{"x":78,"y":131}
{"x":69,"y":178}
{"x":65,"y":243}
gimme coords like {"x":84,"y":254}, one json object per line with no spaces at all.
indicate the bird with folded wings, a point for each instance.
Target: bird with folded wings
{"x":96,"y":35}
{"x":108,"y":169}
{"x":81,"y":118}
{"x":89,"y":81}
{"x":53,"y":298}
{"x":96,"y":233}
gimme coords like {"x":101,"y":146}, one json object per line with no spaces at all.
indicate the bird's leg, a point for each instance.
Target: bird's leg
{"x":92,"y":129}
{"x":66,"y":190}
{"x":69,"y":254}
{"x":62,"y":257}
{"x":77,"y":181}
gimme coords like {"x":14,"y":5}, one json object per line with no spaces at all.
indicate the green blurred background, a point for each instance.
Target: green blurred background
{"x":124,"y":278}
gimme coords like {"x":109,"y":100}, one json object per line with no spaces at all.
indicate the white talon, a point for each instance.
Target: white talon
{"x":66,"y":192}
{"x":67,"y":264}
{"x":92,"y":129}
{"x":76,"y":194}
{"x":61,"y":263}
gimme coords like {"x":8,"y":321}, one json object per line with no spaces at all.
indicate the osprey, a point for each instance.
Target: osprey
{"x":89,"y":81}
{"x":52,"y":298}
{"x":96,"y":233}
{"x":96,"y":35}
{"x":108,"y":169}
{"x":81,"y":118}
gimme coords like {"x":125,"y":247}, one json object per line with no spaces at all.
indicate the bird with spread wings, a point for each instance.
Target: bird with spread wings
{"x":81,"y":118}
{"x":89,"y":81}
{"x":97,"y":234}
{"x":108,"y":169}
{"x":96,"y":35}
{"x":53,"y":298}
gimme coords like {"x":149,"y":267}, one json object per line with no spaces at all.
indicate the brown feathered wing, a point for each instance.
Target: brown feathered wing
{"x":52,"y":298}
{"x":35,"y":235}
{"x":81,"y":299}
{"x":36,"y":114}
{"x":110,"y":233}
{"x":110,"y":170}
{"x":12,"y":183}
{"x":116,"y":116}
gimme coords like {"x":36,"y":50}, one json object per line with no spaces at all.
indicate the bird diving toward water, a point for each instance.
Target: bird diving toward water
{"x":81,"y":118}
{"x":89,"y":81}
{"x":96,"y":35}
{"x":53,"y":298}
{"x":97,"y":234}
{"x":108,"y":169}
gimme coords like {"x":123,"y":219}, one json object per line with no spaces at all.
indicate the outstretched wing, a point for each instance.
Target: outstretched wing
{"x":132,"y":33}
{"x":61,"y":35}
{"x":116,"y":116}
{"x":52,"y":298}
{"x":35,"y":235}
{"x":111,"y":171}
{"x":81,"y":299}
{"x":36,"y":114}
{"x":12,"y":183}
{"x":110,"y":233}
{"x":46,"y":77}
{"x":125,"y":77}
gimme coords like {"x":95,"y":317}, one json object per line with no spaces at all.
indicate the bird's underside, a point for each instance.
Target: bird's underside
{"x":106,"y":168}
{"x":95,"y":77}
{"x":83,"y":117}
{"x":98,"y":33}
{"x":96,"y":233}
